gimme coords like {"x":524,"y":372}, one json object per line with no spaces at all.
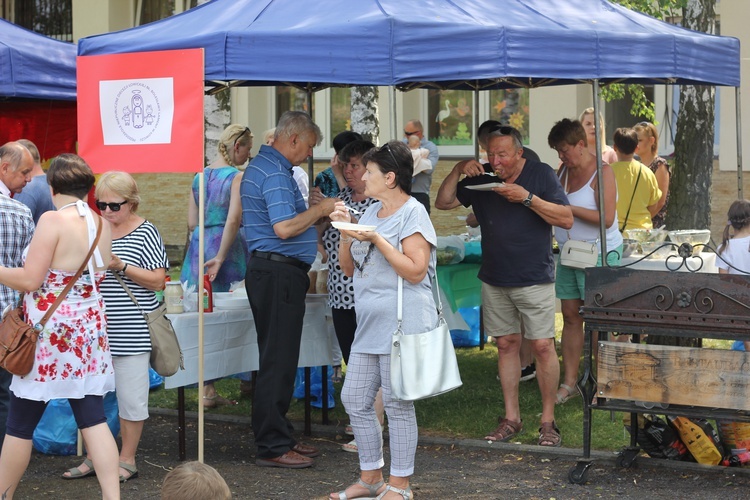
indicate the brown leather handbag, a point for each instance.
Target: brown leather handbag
{"x":18,"y":338}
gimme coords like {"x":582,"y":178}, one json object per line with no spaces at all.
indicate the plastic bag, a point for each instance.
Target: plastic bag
{"x":316,"y":386}
{"x":700,"y":438}
{"x":657,"y":438}
{"x":154,"y":379}
{"x":57,"y":431}
{"x":450,"y":250}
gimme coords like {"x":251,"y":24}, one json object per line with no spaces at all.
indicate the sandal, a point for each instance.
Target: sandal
{"x":351,"y":446}
{"x":131,"y":469}
{"x":216,"y":400}
{"x":75,"y":472}
{"x":506,"y":430}
{"x":372,"y":490}
{"x":338,"y":375}
{"x":406,"y":494}
{"x":570,"y":393}
{"x":549,"y":435}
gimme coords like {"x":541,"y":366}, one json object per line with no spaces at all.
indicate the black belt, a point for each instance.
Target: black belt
{"x":277,"y":257}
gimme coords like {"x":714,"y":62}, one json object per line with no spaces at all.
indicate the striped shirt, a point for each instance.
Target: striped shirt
{"x":126,"y":328}
{"x":16,"y":230}
{"x":270,"y":195}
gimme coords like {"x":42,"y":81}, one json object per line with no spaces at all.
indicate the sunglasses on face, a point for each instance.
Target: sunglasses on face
{"x":409,"y":134}
{"x":115,"y":207}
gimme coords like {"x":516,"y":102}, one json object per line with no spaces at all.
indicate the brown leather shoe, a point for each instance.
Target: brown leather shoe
{"x":307,"y":451}
{"x":289,"y":460}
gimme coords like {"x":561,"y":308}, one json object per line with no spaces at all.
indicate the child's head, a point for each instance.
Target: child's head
{"x":626,"y":140}
{"x":738,"y":218}
{"x":194,"y":481}
{"x":414,"y":142}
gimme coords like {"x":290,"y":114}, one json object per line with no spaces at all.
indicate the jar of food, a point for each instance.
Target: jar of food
{"x":173,"y":297}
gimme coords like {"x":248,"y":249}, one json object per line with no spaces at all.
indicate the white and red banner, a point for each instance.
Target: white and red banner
{"x":142,"y":112}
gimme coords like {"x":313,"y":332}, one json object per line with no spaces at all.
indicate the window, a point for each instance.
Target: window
{"x":53,"y":18}
{"x":291,"y":99}
{"x":341,"y":111}
{"x":511,"y":107}
{"x":450,"y":117}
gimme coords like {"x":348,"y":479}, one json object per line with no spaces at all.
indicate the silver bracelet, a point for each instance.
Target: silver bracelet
{"x":346,"y":240}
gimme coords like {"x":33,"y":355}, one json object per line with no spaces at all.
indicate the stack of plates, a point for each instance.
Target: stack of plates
{"x":230,"y":300}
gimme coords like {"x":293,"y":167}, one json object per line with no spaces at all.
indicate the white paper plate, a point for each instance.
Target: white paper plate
{"x":348,"y":226}
{"x":486,"y":187}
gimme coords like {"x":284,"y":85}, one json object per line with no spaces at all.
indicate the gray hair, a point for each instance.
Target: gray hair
{"x":297,"y":123}
{"x":13,"y":153}
{"x":504,"y":132}
{"x":32,"y":149}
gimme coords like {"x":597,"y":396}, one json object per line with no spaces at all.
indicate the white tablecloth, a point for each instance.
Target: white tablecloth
{"x":707,"y":266}
{"x":231,"y":344}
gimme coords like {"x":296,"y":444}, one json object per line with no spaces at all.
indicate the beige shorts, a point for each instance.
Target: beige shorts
{"x":503,"y":308}
{"x":131,"y":385}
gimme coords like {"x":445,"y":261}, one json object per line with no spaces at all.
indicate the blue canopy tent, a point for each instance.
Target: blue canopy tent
{"x":37,"y":90}
{"x":33,"y":66}
{"x":475,"y":44}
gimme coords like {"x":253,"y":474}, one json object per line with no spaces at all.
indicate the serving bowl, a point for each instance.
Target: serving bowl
{"x":629,"y":245}
{"x":643,"y":235}
{"x":699,"y":237}
{"x":664,"y":249}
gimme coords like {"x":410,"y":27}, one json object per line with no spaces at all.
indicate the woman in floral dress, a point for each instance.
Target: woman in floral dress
{"x":72,"y":359}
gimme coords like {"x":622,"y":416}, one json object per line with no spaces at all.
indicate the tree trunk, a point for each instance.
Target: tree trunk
{"x":365,"y":112}
{"x":690,"y":186}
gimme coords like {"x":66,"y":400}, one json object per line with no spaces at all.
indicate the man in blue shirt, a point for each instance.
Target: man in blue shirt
{"x":282,"y":242}
{"x":36,"y":194}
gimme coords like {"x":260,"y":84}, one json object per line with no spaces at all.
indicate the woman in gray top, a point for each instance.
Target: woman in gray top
{"x":402,"y":244}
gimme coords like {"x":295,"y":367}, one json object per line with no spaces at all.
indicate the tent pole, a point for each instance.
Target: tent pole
{"x":310,"y":160}
{"x":599,"y":175}
{"x":200,"y":291}
{"x":476,"y":123}
{"x":738,"y":109}
{"x":394,"y":118}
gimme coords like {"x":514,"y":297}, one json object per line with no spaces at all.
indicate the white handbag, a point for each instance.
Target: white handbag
{"x":579,"y":254}
{"x":423,"y":365}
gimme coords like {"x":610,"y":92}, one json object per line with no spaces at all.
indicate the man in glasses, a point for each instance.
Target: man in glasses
{"x":518,"y":270}
{"x":16,"y":230}
{"x":282,"y":242}
{"x":420,"y":187}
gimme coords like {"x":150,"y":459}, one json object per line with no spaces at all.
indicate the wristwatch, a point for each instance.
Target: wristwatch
{"x":527,"y":201}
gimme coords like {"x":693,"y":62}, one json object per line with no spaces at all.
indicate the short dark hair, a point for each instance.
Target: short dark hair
{"x":626,"y":140}
{"x":566,"y":131}
{"x":355,"y":149}
{"x":483,"y":132}
{"x":344,"y":138}
{"x":70,"y":174}
{"x":393,"y":156}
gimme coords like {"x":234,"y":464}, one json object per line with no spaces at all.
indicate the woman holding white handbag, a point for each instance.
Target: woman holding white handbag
{"x":399,"y":242}
{"x":578,"y":176}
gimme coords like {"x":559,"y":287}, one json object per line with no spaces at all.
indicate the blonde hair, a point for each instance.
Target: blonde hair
{"x":234,"y":133}
{"x":194,"y":481}
{"x":649,"y":129}
{"x":121,"y":184}
{"x":268,"y":135}
{"x":602,"y":128}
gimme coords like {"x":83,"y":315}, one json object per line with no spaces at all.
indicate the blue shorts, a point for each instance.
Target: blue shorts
{"x":569,"y":282}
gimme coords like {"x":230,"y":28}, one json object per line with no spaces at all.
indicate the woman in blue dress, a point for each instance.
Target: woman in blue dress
{"x":223,"y":216}
{"x":222,"y":185}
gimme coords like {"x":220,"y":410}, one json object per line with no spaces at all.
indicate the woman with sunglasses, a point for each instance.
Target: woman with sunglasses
{"x":648,"y":150}
{"x":403,"y":244}
{"x":139,"y":257}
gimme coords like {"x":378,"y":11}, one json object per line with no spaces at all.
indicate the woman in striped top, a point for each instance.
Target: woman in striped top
{"x":139,"y":256}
